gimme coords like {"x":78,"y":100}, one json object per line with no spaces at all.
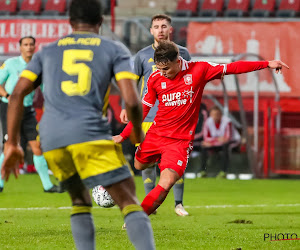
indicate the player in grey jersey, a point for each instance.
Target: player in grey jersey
{"x":144,"y":66}
{"x":75,"y":135}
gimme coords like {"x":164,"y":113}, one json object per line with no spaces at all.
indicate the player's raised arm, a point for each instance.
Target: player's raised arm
{"x":13,"y":152}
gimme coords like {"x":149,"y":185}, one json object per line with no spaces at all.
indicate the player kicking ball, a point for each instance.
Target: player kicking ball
{"x":178,"y":85}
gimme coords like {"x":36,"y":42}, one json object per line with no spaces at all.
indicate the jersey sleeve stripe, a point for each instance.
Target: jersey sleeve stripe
{"x":147,"y":104}
{"x":29,"y":75}
{"x":126,"y":75}
{"x":224,"y":70}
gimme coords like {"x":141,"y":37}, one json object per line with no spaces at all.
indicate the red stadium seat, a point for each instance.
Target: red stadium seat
{"x":288,"y":8}
{"x":55,"y":7}
{"x":186,"y":8}
{"x":30,"y":7}
{"x":263,"y":8}
{"x":8,"y":7}
{"x":237,"y":8}
{"x":211,"y":8}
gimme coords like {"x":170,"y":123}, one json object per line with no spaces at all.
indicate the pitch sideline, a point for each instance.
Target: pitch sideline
{"x":190,"y":207}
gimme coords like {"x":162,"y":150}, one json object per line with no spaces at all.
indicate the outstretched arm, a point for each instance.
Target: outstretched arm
{"x":246,"y":66}
{"x":217,"y":71}
{"x":277,"y":65}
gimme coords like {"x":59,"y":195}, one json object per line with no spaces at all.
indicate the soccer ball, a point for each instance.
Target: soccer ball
{"x":102,"y":197}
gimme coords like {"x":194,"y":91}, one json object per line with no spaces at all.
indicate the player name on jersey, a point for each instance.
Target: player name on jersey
{"x":83,"y":41}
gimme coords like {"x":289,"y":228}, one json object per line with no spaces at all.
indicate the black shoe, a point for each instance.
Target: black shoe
{"x":1,"y":189}
{"x":54,"y":189}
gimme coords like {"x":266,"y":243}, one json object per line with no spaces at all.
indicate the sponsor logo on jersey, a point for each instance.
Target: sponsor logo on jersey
{"x":188,"y":79}
{"x":179,"y":163}
{"x":150,"y":60}
{"x":163,"y":85}
{"x":178,"y":98}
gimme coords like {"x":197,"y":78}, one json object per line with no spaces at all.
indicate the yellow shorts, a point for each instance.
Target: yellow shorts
{"x":145,"y":127}
{"x":96,"y":162}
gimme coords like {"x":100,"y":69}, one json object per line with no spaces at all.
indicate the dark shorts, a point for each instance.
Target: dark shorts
{"x":172,"y":153}
{"x":28,"y":124}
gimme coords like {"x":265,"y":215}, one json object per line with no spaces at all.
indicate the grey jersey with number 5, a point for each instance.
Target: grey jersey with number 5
{"x":76,"y":72}
{"x":144,"y":66}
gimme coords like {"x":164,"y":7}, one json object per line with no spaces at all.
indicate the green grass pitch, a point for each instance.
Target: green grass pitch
{"x":32,"y":219}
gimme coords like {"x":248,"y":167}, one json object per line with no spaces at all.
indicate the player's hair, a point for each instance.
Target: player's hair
{"x":85,"y":11}
{"x":161,"y":17}
{"x":165,"y":52}
{"x":24,"y":37}
{"x":215,"y":108}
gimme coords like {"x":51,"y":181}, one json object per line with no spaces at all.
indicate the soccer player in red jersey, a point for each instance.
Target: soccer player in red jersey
{"x":178,"y":85}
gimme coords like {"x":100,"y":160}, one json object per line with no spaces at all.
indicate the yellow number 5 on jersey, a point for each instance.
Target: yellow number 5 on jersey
{"x":72,"y":68}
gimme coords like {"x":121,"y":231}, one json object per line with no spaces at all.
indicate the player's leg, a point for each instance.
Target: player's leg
{"x":204,"y":158}
{"x":225,"y":160}
{"x":41,"y":167}
{"x":1,"y":180}
{"x":82,"y":223}
{"x":178,"y":190}
{"x":149,"y":179}
{"x":142,"y":166}
{"x":113,"y":173}
{"x":61,"y":164}
{"x":147,"y":153}
{"x":29,"y":131}
{"x":149,"y":174}
{"x":174,"y":157}
{"x":137,"y":222}
{"x":155,"y":198}
{"x":3,"y":117}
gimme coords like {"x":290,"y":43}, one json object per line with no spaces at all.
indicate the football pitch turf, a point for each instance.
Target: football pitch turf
{"x":224,"y":214}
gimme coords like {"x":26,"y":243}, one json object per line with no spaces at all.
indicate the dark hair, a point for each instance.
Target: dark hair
{"x":165,"y":52}
{"x":161,"y":17}
{"x":85,"y":11}
{"x":24,"y":37}
{"x":216,"y":108}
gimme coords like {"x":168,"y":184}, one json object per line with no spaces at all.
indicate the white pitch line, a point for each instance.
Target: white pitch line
{"x":207,"y":207}
{"x":241,"y":206}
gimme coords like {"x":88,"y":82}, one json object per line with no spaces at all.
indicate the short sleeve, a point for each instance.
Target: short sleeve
{"x":214,"y":71}
{"x":3,"y":73}
{"x":34,"y":68}
{"x":122,"y":63}
{"x":150,"y":95}
{"x":138,"y":69}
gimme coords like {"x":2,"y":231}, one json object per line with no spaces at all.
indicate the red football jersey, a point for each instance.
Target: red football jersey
{"x":180,"y":98}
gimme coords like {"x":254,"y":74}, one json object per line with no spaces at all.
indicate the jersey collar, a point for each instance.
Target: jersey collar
{"x":83,"y":32}
{"x":184,"y":64}
{"x":22,"y":60}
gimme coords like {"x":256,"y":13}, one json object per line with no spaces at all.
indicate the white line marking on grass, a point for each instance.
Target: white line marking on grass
{"x":115,"y":207}
{"x":41,"y":208}
{"x":238,"y":206}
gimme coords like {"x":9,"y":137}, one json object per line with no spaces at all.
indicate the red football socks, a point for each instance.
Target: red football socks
{"x":154,"y":199}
